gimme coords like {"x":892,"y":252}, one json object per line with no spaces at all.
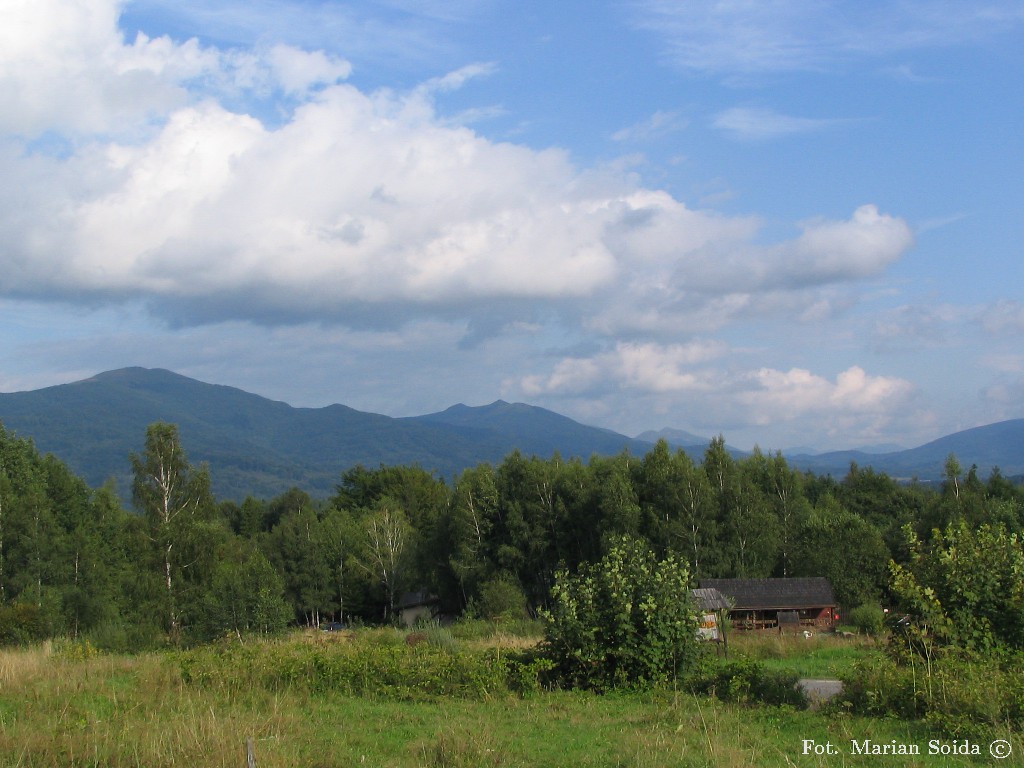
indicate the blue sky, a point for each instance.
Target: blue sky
{"x":793,"y":223}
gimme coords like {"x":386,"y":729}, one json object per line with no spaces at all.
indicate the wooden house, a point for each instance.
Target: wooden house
{"x":799,"y":603}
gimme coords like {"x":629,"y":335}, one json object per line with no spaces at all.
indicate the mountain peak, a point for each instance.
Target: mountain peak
{"x":135,"y":373}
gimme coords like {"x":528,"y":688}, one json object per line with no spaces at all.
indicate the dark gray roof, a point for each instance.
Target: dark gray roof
{"x":709,"y":599}
{"x":416,"y":599}
{"x":767,"y":594}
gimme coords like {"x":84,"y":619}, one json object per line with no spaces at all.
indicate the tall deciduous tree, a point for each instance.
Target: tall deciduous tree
{"x":246,"y":597}
{"x":750,"y":529}
{"x":176,"y":500}
{"x":472,"y":511}
{"x":782,"y":489}
{"x":843,"y":547}
{"x":387,"y":538}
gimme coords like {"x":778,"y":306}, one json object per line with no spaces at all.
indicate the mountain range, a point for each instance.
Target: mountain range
{"x":262,"y":447}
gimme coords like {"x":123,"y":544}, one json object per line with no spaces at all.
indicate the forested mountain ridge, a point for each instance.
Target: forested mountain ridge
{"x":260,"y":447}
{"x":534,"y":430}
{"x":987,"y":447}
{"x":993,"y":445}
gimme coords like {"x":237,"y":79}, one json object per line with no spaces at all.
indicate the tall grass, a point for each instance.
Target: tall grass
{"x":72,"y":707}
{"x":823,"y":655}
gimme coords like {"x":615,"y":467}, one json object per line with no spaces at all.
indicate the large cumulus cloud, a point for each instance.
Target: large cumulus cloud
{"x":259,"y":185}
{"x":354,"y":199}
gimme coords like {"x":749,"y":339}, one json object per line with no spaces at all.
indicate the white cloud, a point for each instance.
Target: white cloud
{"x":696,"y":271}
{"x":752,"y":36}
{"x":645,"y":367}
{"x":1004,"y":317}
{"x":361,"y":199}
{"x":832,"y":251}
{"x":227,"y":188}
{"x":786,"y":395}
{"x":452,"y":81}
{"x":704,"y":386}
{"x":684,"y":370}
{"x":65,"y":67}
{"x":656,"y":126}
{"x":855,"y":408}
{"x":756,"y":123}
{"x":916,"y":326}
{"x":297,"y":71}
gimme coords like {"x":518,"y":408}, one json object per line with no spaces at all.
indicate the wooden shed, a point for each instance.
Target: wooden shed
{"x":778,"y":603}
{"x":418,"y":606}
{"x":713,"y":608}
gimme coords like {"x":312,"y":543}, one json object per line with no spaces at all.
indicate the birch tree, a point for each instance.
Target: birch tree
{"x":387,"y":533}
{"x":175,"y":499}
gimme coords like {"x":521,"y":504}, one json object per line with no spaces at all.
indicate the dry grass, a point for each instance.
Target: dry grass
{"x":23,"y":666}
{"x":503,"y":641}
{"x":121,"y":711}
{"x":58,"y":710}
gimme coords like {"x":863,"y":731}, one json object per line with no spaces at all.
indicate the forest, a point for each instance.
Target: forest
{"x":179,"y":567}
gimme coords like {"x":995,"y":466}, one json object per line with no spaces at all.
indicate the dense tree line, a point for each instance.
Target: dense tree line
{"x":180,"y":566}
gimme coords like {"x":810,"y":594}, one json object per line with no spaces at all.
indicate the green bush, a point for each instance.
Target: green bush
{"x":957,"y":696}
{"x":626,"y":621}
{"x":880,"y":687}
{"x":418,"y":672}
{"x":869,"y":618}
{"x":21,"y":623}
{"x":747,"y":681}
{"x":962,"y":589}
{"x":74,"y":650}
{"x":528,"y":671}
{"x":120,"y":636}
{"x":501,"y":598}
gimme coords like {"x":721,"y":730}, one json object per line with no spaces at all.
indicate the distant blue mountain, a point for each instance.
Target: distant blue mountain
{"x":994,"y":445}
{"x":678,"y":438}
{"x":532,"y":430}
{"x":694,"y":445}
{"x":262,"y":447}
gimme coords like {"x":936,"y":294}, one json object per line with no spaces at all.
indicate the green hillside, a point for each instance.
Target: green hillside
{"x":262,"y":447}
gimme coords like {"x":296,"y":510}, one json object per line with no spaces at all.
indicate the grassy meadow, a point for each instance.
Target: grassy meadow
{"x":64,"y":704}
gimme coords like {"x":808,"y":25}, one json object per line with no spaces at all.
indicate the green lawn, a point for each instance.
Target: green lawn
{"x":101,"y":710}
{"x":823,"y":655}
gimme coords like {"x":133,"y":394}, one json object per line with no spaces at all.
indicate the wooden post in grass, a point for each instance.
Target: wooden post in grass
{"x":250,"y":753}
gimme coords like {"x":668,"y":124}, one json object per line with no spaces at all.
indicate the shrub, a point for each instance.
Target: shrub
{"x":75,"y":650}
{"x":501,"y":598}
{"x":963,"y":589}
{"x":957,"y":696}
{"x":882,"y":688}
{"x":746,"y":681}
{"x":869,"y":618}
{"x":626,"y":621}
{"x":418,"y":672}
{"x":21,"y":623}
